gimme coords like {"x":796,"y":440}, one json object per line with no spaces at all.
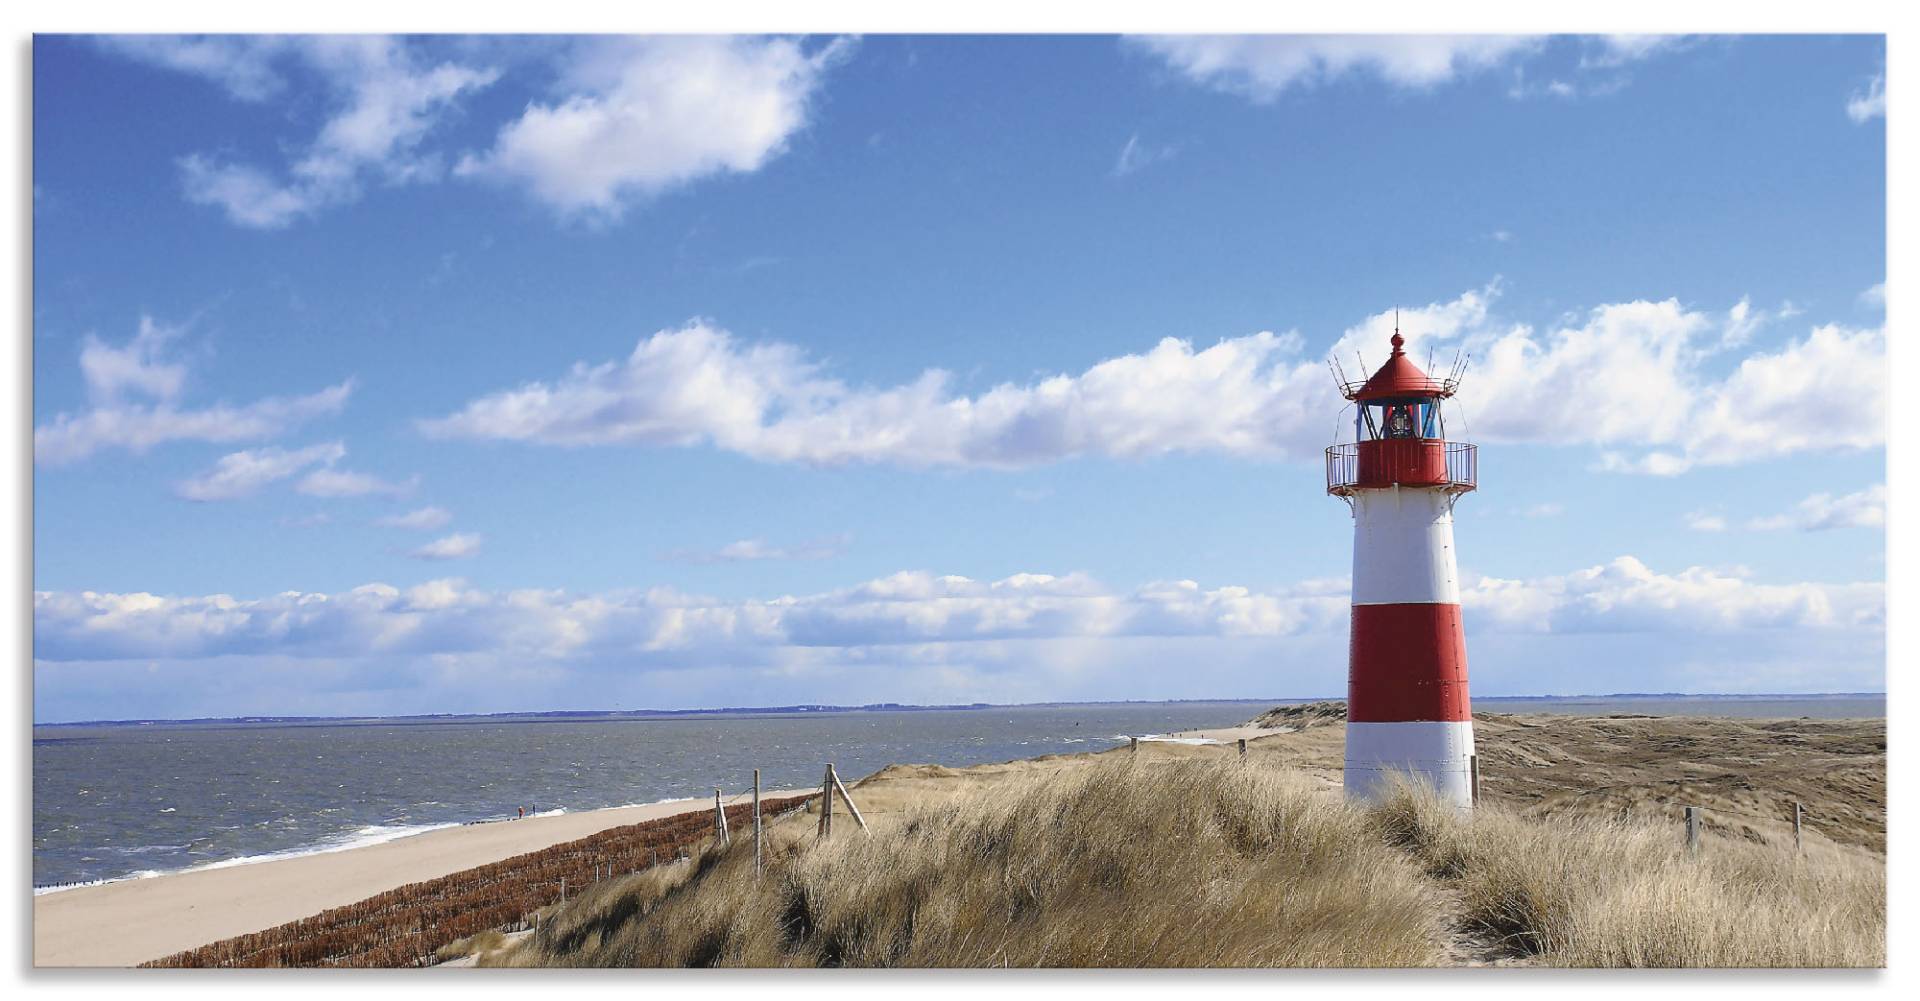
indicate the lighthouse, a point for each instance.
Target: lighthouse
{"x":1407,"y":707}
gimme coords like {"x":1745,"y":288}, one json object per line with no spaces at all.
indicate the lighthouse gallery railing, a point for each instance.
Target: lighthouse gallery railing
{"x":1462,"y":468}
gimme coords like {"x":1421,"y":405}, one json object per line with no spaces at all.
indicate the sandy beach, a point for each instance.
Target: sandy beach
{"x":132,"y":921}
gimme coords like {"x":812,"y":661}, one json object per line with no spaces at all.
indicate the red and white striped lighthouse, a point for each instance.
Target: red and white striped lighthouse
{"x":1407,"y":707}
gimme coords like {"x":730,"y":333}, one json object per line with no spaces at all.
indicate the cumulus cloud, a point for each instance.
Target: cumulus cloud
{"x":1822,"y":511}
{"x":755,"y":550}
{"x":241,"y":474}
{"x":383,"y":102}
{"x":1869,"y":104}
{"x":1619,"y":376}
{"x":698,"y":384}
{"x":905,"y":609}
{"x":424,"y":519}
{"x":133,"y":392}
{"x":641,"y":115}
{"x":1625,"y":595}
{"x":1262,"y":67}
{"x":1641,"y":374}
{"x":457,"y":546}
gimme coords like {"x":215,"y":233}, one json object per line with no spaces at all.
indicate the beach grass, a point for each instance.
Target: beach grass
{"x":1123,"y":864}
{"x":1584,"y":891}
{"x":1213,"y":862}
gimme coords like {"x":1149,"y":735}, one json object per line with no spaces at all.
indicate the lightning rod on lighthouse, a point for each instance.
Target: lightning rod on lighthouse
{"x":1407,"y":705}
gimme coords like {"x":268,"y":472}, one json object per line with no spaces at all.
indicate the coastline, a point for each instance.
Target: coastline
{"x":126,"y":922}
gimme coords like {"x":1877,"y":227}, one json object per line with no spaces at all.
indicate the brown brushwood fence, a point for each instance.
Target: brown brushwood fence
{"x":406,"y":926}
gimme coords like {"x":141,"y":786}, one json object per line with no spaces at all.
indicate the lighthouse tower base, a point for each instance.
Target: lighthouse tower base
{"x":1435,"y":754}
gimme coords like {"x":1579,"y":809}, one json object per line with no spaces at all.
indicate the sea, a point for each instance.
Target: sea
{"x":127,"y":800}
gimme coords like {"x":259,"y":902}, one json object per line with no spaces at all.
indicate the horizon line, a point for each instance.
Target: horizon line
{"x":790,"y":708}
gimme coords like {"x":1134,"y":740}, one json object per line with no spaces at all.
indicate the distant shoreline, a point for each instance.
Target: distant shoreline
{"x":799,"y":710}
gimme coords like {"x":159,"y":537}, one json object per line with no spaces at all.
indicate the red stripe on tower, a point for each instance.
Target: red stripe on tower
{"x":1407,"y":663}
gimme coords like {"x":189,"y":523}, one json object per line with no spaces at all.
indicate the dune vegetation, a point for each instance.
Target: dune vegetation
{"x":1209,"y":861}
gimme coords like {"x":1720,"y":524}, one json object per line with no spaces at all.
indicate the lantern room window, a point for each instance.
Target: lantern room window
{"x":1399,"y":419}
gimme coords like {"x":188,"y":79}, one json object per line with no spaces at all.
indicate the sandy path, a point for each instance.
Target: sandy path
{"x":135,"y":920}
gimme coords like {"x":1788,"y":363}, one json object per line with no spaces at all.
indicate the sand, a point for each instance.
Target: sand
{"x":132,"y":921}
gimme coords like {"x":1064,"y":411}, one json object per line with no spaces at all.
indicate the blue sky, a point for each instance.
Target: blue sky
{"x":378,"y":375}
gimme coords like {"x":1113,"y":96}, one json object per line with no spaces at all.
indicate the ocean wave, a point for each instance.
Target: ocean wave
{"x":373,"y":834}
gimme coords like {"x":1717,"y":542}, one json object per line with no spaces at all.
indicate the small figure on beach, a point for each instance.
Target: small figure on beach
{"x":523,"y":813}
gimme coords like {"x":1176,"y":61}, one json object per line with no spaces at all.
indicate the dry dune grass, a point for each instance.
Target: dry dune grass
{"x":1585,"y":891}
{"x":1204,"y":861}
{"x":1231,"y":866}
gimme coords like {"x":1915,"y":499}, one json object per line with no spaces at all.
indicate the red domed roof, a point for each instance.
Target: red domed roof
{"x":1399,"y":377}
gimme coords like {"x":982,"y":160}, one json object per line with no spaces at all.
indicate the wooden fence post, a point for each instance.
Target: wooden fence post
{"x":1133,"y":744}
{"x":835,"y":776}
{"x":1798,"y":848}
{"x":758,"y":865}
{"x":1243,"y":749}
{"x":720,"y":821}
{"x":826,"y":804}
{"x":1693,"y":829}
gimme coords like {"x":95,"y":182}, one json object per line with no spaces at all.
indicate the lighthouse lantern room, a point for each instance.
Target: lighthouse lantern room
{"x":1407,"y":706}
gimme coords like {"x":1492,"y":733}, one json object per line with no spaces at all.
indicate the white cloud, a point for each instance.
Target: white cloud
{"x":1611,"y":51}
{"x":424,"y":519}
{"x":756,"y":550}
{"x":457,"y":546}
{"x":1870,"y":104}
{"x":384,"y":104}
{"x":1262,"y":67}
{"x":241,"y":474}
{"x":1822,"y":511}
{"x":115,"y":377}
{"x":1136,"y":156}
{"x":243,"y":64}
{"x":769,"y":401}
{"x":1826,"y":391}
{"x":1627,"y":596}
{"x":909,"y":609}
{"x":641,"y":115}
{"x":1547,"y":510}
{"x":135,"y":368}
{"x":1620,"y":376}
{"x":1639,"y":374}
{"x":346,"y":483}
{"x":1875,"y":295}
{"x":1706,"y":521}
{"x":914,"y":637}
